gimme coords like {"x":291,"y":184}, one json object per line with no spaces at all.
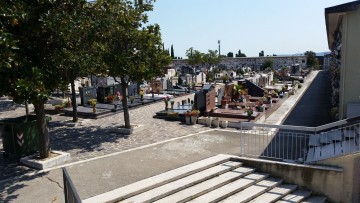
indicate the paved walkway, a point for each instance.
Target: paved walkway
{"x":278,"y":117}
{"x":102,"y":161}
{"x":91,"y":139}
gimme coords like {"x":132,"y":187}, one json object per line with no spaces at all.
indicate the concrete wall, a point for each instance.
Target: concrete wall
{"x":321,"y":180}
{"x":350,"y":61}
{"x":351,"y":183}
{"x":279,"y":61}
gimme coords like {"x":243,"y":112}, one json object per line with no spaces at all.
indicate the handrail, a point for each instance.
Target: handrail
{"x":70,"y":193}
{"x":304,"y":128}
{"x":299,"y":143}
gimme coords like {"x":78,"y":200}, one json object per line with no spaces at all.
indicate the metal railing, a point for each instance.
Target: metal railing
{"x":299,"y":143}
{"x":70,"y":193}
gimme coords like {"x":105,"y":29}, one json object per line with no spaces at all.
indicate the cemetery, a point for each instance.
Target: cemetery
{"x":103,"y":99}
{"x":228,"y":105}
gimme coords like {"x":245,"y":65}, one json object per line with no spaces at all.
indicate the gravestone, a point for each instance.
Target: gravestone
{"x":87,"y":93}
{"x":102,"y":92}
{"x":132,"y":89}
{"x":156,"y":86}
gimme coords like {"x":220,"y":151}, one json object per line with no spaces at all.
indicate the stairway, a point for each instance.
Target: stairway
{"x":333,"y":143}
{"x":216,"y":179}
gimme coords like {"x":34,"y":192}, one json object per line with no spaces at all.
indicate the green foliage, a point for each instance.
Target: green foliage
{"x":92,"y":102}
{"x":268,"y":63}
{"x":195,"y":57}
{"x":35,"y":40}
{"x":230,"y":55}
{"x":239,"y":54}
{"x":172,"y":52}
{"x":129,"y":48}
{"x":311,"y":60}
{"x":261,"y":53}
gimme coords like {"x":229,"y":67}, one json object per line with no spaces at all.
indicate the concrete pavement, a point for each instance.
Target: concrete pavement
{"x":103,"y":161}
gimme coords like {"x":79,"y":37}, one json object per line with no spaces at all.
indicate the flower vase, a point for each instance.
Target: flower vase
{"x":172,"y":106}
{"x":208,"y":121}
{"x":216,"y":122}
{"x":193,"y":120}
{"x":94,"y":109}
{"x":187,"y":120}
{"x":224,"y":124}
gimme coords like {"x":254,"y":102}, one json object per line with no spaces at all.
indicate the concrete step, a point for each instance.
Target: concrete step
{"x":254,"y":191}
{"x":314,"y":199}
{"x":295,"y":197}
{"x":188,"y":181}
{"x":274,"y":194}
{"x":207,"y":186}
{"x":158,"y":180}
{"x":231,"y":188}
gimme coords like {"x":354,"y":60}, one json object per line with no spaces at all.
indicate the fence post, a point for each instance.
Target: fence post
{"x":70,"y":193}
{"x":241,"y":140}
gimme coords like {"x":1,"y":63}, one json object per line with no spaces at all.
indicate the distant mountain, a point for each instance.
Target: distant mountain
{"x":302,"y":54}
{"x":322,"y":53}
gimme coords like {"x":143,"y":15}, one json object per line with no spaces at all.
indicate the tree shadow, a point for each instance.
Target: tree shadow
{"x":8,"y":188}
{"x":87,"y":139}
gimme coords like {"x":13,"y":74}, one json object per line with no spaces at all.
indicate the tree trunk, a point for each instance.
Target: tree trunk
{"x":44,"y":145}
{"x":124,"y":86}
{"x":73,"y":101}
{"x":27,"y":108}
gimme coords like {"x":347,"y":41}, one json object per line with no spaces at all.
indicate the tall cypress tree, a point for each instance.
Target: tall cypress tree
{"x":172,"y":52}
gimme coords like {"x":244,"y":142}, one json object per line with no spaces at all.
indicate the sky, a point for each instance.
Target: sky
{"x":275,"y":26}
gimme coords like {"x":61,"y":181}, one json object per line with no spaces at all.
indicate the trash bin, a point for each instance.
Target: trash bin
{"x":20,"y":135}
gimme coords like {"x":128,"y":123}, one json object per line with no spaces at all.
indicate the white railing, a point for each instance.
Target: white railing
{"x":299,"y":143}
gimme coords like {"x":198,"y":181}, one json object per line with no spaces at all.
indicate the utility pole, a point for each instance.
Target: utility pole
{"x":219,"y":46}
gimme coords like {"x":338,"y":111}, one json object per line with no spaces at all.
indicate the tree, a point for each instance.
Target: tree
{"x":311,"y":59}
{"x":131,"y":51}
{"x":74,"y":35}
{"x":268,"y":63}
{"x":30,"y":69}
{"x":239,"y":54}
{"x":172,"y":52}
{"x":211,"y":58}
{"x":195,"y":57}
{"x":230,"y":55}
{"x":261,"y":53}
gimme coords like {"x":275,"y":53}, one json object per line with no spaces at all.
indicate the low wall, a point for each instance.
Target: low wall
{"x":321,"y":180}
{"x":351,"y":184}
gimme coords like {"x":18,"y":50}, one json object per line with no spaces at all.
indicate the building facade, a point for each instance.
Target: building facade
{"x":343,"y":31}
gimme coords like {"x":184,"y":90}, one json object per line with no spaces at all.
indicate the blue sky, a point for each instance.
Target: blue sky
{"x":276,"y":26}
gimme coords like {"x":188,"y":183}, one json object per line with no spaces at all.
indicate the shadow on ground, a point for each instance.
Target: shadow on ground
{"x":8,"y":188}
{"x":84,"y":139}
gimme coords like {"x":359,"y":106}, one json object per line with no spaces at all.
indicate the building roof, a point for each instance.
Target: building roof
{"x":333,"y":16}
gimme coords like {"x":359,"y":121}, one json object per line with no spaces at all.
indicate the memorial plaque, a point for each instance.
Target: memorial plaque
{"x":87,"y":93}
